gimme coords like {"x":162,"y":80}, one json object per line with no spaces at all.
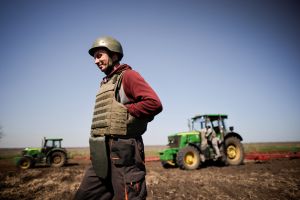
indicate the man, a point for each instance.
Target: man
{"x":208,"y":134}
{"x":125,"y":104}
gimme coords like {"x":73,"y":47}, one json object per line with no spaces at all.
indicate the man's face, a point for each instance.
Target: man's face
{"x":103,"y":61}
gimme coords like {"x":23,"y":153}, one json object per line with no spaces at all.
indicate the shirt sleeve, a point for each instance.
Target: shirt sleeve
{"x":143,"y":101}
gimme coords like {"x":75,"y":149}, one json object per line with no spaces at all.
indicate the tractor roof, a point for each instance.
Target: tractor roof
{"x":211,"y":116}
{"x":60,"y":139}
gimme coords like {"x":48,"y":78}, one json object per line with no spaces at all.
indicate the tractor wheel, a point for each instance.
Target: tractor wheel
{"x":234,"y":151}
{"x":57,"y":159}
{"x":188,"y":158}
{"x":25,"y":162}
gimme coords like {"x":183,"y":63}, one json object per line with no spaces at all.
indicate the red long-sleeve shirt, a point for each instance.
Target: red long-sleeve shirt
{"x":136,"y":94}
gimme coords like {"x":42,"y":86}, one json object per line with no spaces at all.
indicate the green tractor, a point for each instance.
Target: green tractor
{"x":184,"y":148}
{"x":51,"y":153}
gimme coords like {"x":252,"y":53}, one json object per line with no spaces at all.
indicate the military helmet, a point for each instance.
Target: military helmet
{"x":109,"y":43}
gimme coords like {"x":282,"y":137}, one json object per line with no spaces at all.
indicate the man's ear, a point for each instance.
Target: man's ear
{"x":115,"y":57}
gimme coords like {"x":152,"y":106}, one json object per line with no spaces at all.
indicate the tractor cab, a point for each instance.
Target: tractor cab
{"x":216,"y":121}
{"x":51,"y":143}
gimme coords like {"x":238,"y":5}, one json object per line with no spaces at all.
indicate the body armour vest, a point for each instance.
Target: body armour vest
{"x":110,"y":116}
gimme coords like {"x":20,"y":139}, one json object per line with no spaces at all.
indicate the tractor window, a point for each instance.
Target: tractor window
{"x":56,"y":144}
{"x":224,"y":124}
{"x":215,"y":124}
{"x":202,"y":125}
{"x":198,"y":125}
{"x":48,"y":143}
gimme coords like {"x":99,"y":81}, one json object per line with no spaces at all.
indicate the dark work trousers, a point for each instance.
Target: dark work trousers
{"x":126,"y":178}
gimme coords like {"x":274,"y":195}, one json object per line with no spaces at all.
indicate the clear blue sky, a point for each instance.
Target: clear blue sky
{"x":235,"y":57}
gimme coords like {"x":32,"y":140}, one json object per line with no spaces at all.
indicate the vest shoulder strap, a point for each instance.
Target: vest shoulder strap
{"x":118,"y":85}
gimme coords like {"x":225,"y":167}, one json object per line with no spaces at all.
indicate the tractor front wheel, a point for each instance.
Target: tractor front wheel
{"x":25,"y":162}
{"x":234,"y":151}
{"x":188,"y":158}
{"x":57,"y":159}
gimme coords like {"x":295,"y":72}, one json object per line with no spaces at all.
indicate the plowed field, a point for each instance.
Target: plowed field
{"x":273,"y":179}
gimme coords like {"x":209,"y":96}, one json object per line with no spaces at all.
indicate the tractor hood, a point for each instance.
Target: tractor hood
{"x":186,"y":133}
{"x":32,"y":149}
{"x":177,"y":139}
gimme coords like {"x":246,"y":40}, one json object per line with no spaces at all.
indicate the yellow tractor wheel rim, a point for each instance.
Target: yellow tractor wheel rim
{"x":189,"y":158}
{"x":233,"y":152}
{"x":56,"y":159}
{"x":25,"y":164}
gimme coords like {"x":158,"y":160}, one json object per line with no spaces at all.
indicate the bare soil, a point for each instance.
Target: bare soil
{"x":273,"y":179}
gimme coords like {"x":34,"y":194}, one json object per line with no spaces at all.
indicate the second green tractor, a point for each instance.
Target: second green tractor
{"x":184,"y":148}
{"x":51,"y":153}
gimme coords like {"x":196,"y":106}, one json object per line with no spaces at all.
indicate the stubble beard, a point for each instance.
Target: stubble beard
{"x":109,"y":67}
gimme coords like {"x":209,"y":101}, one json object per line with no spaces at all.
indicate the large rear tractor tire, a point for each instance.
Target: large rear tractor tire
{"x":188,"y":158}
{"x":57,"y":159}
{"x":234,"y":151}
{"x":25,"y":162}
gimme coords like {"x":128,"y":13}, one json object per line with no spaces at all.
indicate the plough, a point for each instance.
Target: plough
{"x":257,"y":156}
{"x":268,"y":156}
